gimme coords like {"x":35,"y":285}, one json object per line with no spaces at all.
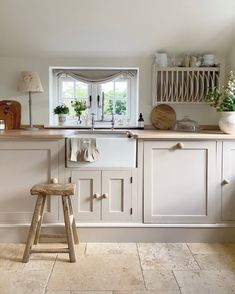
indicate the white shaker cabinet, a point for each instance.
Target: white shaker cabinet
{"x":228,"y":182}
{"x":88,"y":186}
{"x":180,"y":182}
{"x":103,"y":195}
{"x":22,"y":165}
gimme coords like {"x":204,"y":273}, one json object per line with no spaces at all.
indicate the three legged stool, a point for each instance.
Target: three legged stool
{"x":49,"y":190}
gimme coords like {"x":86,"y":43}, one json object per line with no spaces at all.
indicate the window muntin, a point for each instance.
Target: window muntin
{"x":116,"y":98}
{"x":71,"y":89}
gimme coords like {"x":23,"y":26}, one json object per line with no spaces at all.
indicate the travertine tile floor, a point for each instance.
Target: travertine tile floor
{"x":111,"y":268}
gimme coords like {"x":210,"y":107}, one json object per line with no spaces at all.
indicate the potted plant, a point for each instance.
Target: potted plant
{"x":224,"y":102}
{"x":79,"y":106}
{"x":62,"y":111}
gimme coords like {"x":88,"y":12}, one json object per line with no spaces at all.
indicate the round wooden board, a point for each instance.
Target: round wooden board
{"x":163,"y":117}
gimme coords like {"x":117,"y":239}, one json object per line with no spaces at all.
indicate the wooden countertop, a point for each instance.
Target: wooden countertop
{"x":140,"y":134}
{"x":202,"y":135}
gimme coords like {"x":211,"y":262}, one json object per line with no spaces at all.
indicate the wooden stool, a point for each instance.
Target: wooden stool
{"x":65,"y":191}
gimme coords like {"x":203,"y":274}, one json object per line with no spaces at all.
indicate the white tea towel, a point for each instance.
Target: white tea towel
{"x":74,"y":147}
{"x":84,"y":150}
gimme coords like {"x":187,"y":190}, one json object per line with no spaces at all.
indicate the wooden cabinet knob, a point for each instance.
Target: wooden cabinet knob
{"x":105,"y":196}
{"x":225,"y":182}
{"x":97,"y":196}
{"x":180,"y":145}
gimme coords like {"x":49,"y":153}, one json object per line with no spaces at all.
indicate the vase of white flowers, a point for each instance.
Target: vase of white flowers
{"x":224,"y":102}
{"x":79,"y":106}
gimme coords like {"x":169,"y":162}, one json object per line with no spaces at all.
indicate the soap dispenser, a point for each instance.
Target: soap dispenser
{"x":141,"y":122}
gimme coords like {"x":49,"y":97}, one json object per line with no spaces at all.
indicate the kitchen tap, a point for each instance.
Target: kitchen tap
{"x":93,"y":121}
{"x":101,"y":105}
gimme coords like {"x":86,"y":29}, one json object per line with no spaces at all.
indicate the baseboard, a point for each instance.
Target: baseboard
{"x":127,"y":234}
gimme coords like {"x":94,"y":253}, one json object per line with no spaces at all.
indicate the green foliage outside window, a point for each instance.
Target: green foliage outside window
{"x":120,"y":107}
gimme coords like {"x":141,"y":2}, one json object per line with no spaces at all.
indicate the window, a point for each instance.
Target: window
{"x":105,"y":92}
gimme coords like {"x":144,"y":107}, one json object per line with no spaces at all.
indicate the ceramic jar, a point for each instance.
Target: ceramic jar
{"x":62,"y":119}
{"x":227,"y":122}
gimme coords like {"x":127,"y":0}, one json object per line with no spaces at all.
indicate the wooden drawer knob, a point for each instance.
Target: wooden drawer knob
{"x":180,"y":145}
{"x":97,"y":196}
{"x":105,"y":196}
{"x":225,"y":182}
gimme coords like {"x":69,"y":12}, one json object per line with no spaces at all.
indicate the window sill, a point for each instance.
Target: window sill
{"x":88,"y":127}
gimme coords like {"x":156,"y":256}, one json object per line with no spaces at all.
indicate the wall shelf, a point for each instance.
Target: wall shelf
{"x":183,"y":84}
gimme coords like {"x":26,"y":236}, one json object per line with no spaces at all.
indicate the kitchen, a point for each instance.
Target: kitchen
{"x":154,"y":186}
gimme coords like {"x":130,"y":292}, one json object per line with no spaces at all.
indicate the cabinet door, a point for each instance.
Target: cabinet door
{"x":88,"y":183}
{"x":117,"y":186}
{"x":179,"y":182}
{"x":22,"y":165}
{"x":228,"y":182}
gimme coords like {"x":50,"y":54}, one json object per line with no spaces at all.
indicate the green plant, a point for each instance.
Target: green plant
{"x":61,"y":109}
{"x":225,"y":100}
{"x":79,"y":106}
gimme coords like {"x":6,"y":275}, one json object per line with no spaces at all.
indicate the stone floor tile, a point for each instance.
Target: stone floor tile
{"x":206,"y":282}
{"x":216,"y":261}
{"x":57,"y":292}
{"x":10,"y":256}
{"x":91,"y":292}
{"x":160,"y":280}
{"x":166,"y":256}
{"x":111,"y":248}
{"x":212,"y":248}
{"x":23,"y":282}
{"x":98,"y":272}
{"x":149,"y":292}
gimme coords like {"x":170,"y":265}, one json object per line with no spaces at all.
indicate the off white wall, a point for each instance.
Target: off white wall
{"x":11,"y":67}
{"x":109,"y":33}
{"x":231,"y":58}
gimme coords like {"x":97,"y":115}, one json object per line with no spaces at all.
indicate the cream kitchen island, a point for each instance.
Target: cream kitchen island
{"x":181,"y":189}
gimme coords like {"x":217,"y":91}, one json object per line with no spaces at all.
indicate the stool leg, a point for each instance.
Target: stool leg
{"x":75,"y":232}
{"x":32,"y":230}
{"x":36,"y":240}
{"x":68,"y":229}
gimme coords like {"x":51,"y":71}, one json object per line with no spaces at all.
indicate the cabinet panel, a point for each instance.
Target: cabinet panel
{"x":117,"y":186}
{"x":22,"y":165}
{"x":178,"y":181}
{"x":88,"y":183}
{"x":228,"y":182}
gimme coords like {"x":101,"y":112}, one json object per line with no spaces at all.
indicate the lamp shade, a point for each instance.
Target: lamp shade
{"x":29,"y":81}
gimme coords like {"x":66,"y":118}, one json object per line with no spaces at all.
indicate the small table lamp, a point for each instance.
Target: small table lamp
{"x":29,"y":82}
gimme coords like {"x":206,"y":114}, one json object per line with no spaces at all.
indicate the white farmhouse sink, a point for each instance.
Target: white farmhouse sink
{"x":116,"y":148}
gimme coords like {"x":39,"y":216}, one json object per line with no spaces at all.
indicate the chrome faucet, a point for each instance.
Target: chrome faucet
{"x":93,"y":121}
{"x":101,"y":105}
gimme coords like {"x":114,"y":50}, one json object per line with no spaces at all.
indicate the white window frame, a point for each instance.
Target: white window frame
{"x":133,"y":102}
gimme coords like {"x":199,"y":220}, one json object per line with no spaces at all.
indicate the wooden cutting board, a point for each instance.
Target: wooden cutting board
{"x":163,"y":117}
{"x":10,"y":112}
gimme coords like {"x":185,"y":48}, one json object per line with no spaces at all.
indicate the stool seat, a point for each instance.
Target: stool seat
{"x":53,"y":189}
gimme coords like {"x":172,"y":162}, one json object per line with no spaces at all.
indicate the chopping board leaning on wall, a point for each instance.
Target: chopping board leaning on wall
{"x":10,"y":112}
{"x":163,"y":117}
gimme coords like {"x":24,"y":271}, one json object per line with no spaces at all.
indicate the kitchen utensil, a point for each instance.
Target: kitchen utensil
{"x":187,"y":125}
{"x":2,"y":125}
{"x":208,"y":59}
{"x":10,"y":112}
{"x":161,"y":59}
{"x":163,"y":117}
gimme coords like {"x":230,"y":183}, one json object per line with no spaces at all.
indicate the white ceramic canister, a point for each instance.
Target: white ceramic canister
{"x":2,"y":125}
{"x":62,"y":119}
{"x":208,"y":59}
{"x":227,"y":122}
{"x":161,"y":59}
